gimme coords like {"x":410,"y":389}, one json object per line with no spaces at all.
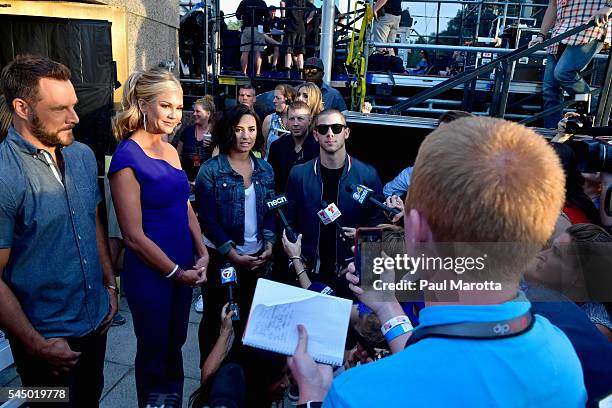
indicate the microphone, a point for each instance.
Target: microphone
{"x":229,"y":278}
{"x":320,"y":287}
{"x":275,"y":203}
{"x":330,"y":214}
{"x":361,"y":194}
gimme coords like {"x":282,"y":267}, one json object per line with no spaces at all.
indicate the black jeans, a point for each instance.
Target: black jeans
{"x":85,"y":380}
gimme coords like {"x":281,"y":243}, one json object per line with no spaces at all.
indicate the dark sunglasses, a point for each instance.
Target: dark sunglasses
{"x":336,"y":128}
{"x":311,"y":71}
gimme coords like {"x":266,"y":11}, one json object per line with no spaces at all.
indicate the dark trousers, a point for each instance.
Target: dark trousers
{"x":216,"y":295}
{"x":85,"y":380}
{"x":160,"y":311}
{"x":259,"y":366}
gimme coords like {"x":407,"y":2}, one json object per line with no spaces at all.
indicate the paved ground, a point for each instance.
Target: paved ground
{"x":119,"y":387}
{"x":119,"y":384}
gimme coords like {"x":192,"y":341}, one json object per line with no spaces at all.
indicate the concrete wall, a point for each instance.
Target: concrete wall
{"x":152,"y":31}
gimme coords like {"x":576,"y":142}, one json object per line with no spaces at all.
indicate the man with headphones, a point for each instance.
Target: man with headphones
{"x":476,"y":347}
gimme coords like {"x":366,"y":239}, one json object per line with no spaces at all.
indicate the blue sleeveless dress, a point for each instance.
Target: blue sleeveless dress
{"x":159,"y":306}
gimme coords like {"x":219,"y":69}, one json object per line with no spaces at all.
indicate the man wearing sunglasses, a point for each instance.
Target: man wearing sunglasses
{"x":325,"y":179}
{"x":313,"y":72}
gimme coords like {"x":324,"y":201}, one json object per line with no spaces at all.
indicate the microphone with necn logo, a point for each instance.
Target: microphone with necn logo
{"x":229,"y":278}
{"x":361,"y":194}
{"x":275,"y":203}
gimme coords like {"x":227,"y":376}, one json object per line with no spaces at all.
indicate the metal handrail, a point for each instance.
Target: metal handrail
{"x":507,"y":61}
{"x":416,"y":46}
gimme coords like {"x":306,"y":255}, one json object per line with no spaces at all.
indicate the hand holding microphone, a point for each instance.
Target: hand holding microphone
{"x":363,"y":194}
{"x":276,"y":204}
{"x":394,"y":201}
{"x":330,"y":214}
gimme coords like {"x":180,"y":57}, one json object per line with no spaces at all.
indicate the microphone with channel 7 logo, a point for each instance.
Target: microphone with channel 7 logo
{"x":275,"y":203}
{"x":229,"y":278}
{"x":361,"y":194}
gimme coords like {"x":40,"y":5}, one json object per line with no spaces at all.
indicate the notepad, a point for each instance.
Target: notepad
{"x":276,"y":311}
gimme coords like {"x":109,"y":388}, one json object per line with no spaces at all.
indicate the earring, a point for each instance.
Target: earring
{"x":145,"y":121}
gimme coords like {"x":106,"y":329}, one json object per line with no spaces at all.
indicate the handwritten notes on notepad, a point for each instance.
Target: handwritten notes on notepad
{"x":276,"y":311}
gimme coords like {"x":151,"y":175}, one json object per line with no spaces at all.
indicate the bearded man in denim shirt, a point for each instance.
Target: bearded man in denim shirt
{"x":58,"y":292}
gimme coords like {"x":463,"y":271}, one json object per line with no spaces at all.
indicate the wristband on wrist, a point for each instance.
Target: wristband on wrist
{"x":394,"y":321}
{"x":173,"y":271}
{"x":397,"y":331}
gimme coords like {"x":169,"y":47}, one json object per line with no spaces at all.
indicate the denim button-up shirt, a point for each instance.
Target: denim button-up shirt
{"x":49,"y":223}
{"x":219,"y":192}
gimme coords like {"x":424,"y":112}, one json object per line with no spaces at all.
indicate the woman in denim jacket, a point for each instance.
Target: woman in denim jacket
{"x":231,"y":191}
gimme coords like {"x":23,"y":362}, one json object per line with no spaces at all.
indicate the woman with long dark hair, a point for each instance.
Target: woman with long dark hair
{"x":231,"y":191}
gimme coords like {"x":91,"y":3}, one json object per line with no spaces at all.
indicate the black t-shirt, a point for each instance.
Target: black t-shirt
{"x":294,"y":19}
{"x":327,"y":239}
{"x":283,"y":157}
{"x":244,"y":12}
{"x":393,"y":7}
{"x":194,"y":153}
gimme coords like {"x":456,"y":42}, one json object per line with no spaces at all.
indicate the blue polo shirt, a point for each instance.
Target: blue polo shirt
{"x":332,"y":98}
{"x":48,"y":220}
{"x":536,"y":369}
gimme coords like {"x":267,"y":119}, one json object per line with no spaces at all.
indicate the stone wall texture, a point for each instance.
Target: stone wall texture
{"x":152,"y":31}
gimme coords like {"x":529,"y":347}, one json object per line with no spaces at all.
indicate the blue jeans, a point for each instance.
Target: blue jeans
{"x":563,"y":74}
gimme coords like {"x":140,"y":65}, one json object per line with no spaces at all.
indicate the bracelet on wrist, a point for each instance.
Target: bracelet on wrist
{"x":394,"y":321}
{"x":542,"y":35}
{"x":299,"y":273}
{"x":173,"y":271}
{"x":112,"y":288}
{"x":397,"y":331}
{"x":295,"y":257}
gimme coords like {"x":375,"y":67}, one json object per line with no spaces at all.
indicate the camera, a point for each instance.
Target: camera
{"x":593,"y":155}
{"x":585,"y":120}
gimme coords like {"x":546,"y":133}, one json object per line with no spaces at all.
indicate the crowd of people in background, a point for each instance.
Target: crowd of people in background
{"x":190,"y":203}
{"x":287,"y":34}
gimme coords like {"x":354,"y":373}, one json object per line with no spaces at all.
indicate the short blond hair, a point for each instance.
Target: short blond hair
{"x":488,"y":180}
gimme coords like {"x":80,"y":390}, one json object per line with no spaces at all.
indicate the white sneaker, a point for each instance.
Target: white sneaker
{"x":199,"y":304}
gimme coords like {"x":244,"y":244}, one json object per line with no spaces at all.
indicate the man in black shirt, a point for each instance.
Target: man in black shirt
{"x":326,"y":178}
{"x":273,"y":26}
{"x":295,"y":33}
{"x":253,"y":14}
{"x":387,"y":15}
{"x":298,"y":148}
